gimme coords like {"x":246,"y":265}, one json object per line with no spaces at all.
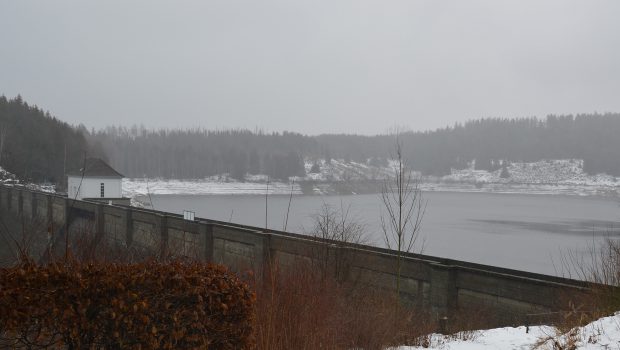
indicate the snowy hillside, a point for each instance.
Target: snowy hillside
{"x":598,"y":335}
{"x":568,"y":172}
{"x":559,"y":172}
{"x":564,"y":176}
{"x":212,"y":185}
{"x":8,"y":178}
{"x":334,"y":172}
{"x":338,"y":170}
{"x":338,"y":177}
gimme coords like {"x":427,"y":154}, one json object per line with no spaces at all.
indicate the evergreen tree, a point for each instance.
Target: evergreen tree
{"x":504,"y":174}
{"x":315,"y":169}
{"x":36,"y":146}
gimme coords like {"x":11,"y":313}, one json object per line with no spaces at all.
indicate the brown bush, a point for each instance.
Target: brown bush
{"x":600,"y":267}
{"x":301,"y":308}
{"x":150,"y":305}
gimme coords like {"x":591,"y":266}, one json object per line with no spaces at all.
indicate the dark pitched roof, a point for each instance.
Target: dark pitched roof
{"x":96,"y":167}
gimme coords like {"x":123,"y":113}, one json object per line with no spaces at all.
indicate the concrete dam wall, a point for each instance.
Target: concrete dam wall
{"x":441,"y":285}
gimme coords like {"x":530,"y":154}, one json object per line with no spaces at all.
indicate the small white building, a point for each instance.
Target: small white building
{"x":96,"y":181}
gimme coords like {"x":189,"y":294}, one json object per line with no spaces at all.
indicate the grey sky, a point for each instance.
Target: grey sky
{"x":312,"y":66}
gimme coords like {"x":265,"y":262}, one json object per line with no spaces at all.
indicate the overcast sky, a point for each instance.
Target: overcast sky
{"x":312,"y":66}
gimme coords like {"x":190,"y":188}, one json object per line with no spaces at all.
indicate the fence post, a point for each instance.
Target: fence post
{"x":527,"y":323}
{"x":443,"y":325}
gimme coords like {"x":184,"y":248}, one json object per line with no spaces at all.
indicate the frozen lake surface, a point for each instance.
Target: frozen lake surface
{"x":519,"y":231}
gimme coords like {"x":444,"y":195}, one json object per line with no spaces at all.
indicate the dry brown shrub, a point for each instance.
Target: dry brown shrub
{"x":300,"y":308}
{"x":599,"y":267}
{"x":149,"y":305}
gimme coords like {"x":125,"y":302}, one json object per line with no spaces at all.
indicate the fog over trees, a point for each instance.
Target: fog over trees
{"x":197,"y":153}
{"x":36,"y":146}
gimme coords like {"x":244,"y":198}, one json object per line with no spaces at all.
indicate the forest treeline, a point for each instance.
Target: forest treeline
{"x":36,"y":146}
{"x":591,"y":137}
{"x":197,"y":153}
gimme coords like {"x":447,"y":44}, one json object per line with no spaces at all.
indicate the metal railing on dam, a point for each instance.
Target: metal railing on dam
{"x":442,"y":285}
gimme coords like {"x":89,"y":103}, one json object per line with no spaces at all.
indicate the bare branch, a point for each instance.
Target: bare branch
{"x":404,"y":209}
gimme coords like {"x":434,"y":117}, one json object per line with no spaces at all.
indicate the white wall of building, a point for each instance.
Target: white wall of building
{"x":91,"y":187}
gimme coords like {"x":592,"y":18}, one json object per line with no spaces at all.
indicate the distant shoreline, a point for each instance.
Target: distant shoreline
{"x":552,"y":177}
{"x":142,"y":187}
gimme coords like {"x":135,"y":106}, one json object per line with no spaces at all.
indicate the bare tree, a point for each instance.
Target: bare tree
{"x":404,"y":209}
{"x":336,"y":228}
{"x":598,"y":262}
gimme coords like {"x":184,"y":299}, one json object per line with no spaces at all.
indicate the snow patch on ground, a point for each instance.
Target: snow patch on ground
{"x":339,"y":170}
{"x":142,"y":187}
{"x":8,"y":178}
{"x":600,"y":334}
{"x":564,"y":176}
{"x":557,"y":172}
{"x":561,"y":176}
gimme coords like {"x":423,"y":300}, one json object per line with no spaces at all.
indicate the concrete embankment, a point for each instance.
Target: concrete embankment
{"x":441,"y":285}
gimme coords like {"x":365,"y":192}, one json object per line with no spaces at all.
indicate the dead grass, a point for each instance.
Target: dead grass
{"x":302,"y":309}
{"x":600,"y":266}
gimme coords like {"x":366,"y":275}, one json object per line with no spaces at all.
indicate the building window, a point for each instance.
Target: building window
{"x":102,"y":190}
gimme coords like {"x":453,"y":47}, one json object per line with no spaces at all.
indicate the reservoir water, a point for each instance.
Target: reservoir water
{"x":519,"y":231}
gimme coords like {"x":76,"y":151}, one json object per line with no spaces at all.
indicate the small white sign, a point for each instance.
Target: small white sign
{"x":188,"y":215}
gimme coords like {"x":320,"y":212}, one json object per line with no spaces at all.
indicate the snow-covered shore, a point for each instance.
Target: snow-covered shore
{"x":142,"y":187}
{"x":337,"y":176}
{"x":563,"y":176}
{"x":550,"y":172}
{"x":600,"y":334}
{"x":510,"y":188}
